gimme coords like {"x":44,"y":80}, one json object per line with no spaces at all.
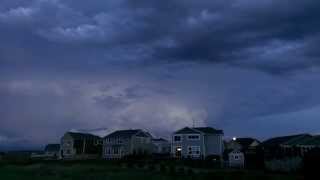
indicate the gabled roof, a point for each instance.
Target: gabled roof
{"x":127,"y":133}
{"x":81,"y":136}
{"x":198,"y":130}
{"x":209,"y":130}
{"x":52,"y":147}
{"x":285,"y":140}
{"x":246,"y":142}
{"x":187,"y":130}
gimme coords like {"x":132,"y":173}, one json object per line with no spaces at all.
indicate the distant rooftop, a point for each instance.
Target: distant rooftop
{"x":245,"y":142}
{"x":159,"y":140}
{"x":77,"y":135}
{"x":127,"y":133}
{"x":286,"y":140}
{"x":197,"y":130}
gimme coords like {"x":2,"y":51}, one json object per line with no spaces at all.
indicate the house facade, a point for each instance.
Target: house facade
{"x":161,"y":146}
{"x":197,"y":143}
{"x":80,"y":146}
{"x":123,"y":143}
{"x":240,"y":152}
{"x":236,"y":159}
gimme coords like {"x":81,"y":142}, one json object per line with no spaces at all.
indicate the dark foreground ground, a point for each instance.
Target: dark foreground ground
{"x":123,"y":171}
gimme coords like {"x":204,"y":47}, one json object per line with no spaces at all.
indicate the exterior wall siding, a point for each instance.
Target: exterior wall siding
{"x":236,"y":159}
{"x":185,"y":143}
{"x":66,"y":149}
{"x":214,"y":144}
{"x":127,"y":147}
{"x":124,"y":148}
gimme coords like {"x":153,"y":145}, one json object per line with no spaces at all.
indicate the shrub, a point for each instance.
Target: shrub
{"x":162,"y":168}
{"x":151,"y":167}
{"x":172,"y":170}
{"x":180,"y":170}
{"x":190,"y":171}
{"x":284,"y":165}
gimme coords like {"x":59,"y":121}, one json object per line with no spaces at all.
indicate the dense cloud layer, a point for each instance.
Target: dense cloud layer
{"x":157,"y":65}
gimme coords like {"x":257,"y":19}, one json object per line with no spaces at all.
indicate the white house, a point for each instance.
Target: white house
{"x":236,"y":159}
{"x":197,"y":143}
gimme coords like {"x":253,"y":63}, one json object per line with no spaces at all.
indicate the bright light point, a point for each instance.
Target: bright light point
{"x":234,"y":138}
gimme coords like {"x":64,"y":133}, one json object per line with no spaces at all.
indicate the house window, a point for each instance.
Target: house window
{"x":98,"y":142}
{"x":236,"y":157}
{"x":193,"y":137}
{"x":68,"y":151}
{"x":108,"y":150}
{"x":115,"y":150}
{"x":119,"y":141}
{"x":194,"y":151}
{"x":177,"y":138}
{"x":68,"y":143}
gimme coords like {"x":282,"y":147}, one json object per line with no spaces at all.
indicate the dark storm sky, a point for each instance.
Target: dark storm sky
{"x":248,"y":67}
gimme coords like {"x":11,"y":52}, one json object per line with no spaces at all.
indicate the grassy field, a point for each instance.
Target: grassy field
{"x":111,"y":171}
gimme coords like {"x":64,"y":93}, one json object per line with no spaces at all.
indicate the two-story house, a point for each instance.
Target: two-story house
{"x":122,"y":143}
{"x":80,"y":146}
{"x":197,"y":143}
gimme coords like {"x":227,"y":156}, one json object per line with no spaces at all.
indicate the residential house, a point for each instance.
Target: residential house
{"x":236,"y":159}
{"x":243,"y":144}
{"x":52,"y":151}
{"x":285,"y":153}
{"x":308,"y":144}
{"x":286,"y":146}
{"x":161,"y":146}
{"x":197,"y":143}
{"x":123,"y":143}
{"x":80,"y":146}
{"x":243,"y":151}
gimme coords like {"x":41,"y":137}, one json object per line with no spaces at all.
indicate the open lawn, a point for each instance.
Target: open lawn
{"x":121,"y":171}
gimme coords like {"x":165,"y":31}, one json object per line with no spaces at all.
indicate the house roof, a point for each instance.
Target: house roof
{"x":127,"y":133}
{"x":209,"y":130}
{"x":285,"y":140}
{"x":298,"y":140}
{"x":198,"y":130}
{"x":311,"y":141}
{"x":52,"y":147}
{"x":246,"y":142}
{"x":75,"y":135}
{"x":160,"y":140}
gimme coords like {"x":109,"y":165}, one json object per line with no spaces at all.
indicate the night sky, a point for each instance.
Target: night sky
{"x":248,"y":67}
